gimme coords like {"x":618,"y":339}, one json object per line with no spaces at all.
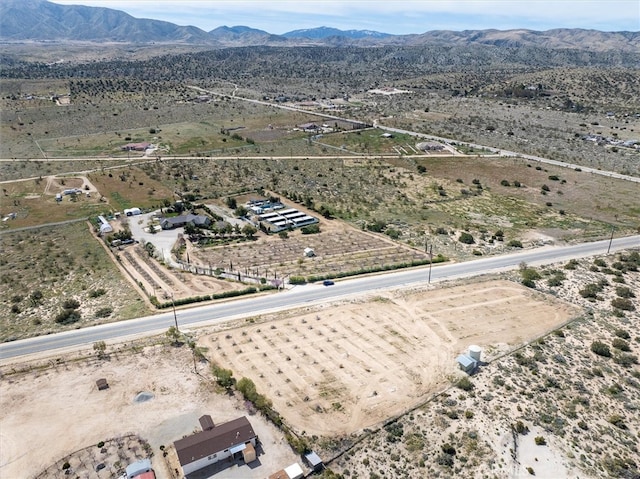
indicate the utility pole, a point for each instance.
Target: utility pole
{"x":430,"y":262}
{"x":175,"y":316}
{"x":613,"y":228}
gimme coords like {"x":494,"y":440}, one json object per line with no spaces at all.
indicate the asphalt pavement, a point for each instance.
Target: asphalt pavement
{"x":303,"y":295}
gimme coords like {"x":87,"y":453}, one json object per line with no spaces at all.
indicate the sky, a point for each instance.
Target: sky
{"x":388,"y":16}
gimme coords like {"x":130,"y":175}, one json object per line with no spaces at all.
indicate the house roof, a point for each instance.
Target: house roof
{"x":184,"y":219}
{"x":212,"y":441}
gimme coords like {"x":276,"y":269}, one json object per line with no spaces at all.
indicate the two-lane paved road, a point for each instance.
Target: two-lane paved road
{"x":304,"y":295}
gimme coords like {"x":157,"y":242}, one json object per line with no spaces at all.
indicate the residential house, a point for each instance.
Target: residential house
{"x":182,"y":220}
{"x":233,"y":439}
{"x":135,"y":146}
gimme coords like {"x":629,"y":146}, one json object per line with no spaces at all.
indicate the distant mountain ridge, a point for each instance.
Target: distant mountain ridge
{"x":41,"y":20}
{"x":327,"y":32}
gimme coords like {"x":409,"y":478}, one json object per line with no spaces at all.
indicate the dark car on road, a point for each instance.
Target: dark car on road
{"x":328,"y":282}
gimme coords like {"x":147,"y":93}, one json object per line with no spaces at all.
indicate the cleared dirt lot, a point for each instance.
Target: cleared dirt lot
{"x":336,"y":369}
{"x":58,"y":411}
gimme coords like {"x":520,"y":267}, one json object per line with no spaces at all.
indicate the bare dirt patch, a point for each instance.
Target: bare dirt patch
{"x":337,"y":369}
{"x":59,"y":410}
{"x":162,"y":282}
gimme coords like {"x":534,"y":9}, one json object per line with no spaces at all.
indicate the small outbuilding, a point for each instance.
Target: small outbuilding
{"x":470,"y":361}
{"x":309,"y":253}
{"x":313,"y":461}
{"x":206,"y":423}
{"x":294,"y":471}
{"x":102,"y":384}
{"x":466,"y":363}
{"x":132,"y":211}
{"x":105,"y":226}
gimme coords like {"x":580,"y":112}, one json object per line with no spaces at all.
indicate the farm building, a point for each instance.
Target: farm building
{"x":135,"y":146}
{"x":259,"y":207}
{"x":276,"y":221}
{"x":132,"y":211}
{"x":233,"y":439}
{"x":182,"y":220}
{"x":105,"y":227}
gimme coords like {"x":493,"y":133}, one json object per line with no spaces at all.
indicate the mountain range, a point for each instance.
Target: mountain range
{"x":44,"y":21}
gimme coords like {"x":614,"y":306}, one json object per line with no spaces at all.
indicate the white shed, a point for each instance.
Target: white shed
{"x":105,"y":226}
{"x":294,"y":471}
{"x":309,"y":253}
{"x":132,"y":211}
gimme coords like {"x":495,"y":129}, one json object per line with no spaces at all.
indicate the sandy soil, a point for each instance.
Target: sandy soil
{"x":59,"y":410}
{"x":162,"y":282}
{"x":337,"y":369}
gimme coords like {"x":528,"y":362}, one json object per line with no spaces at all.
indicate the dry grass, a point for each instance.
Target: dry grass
{"x":71,"y":264}
{"x":129,"y":187}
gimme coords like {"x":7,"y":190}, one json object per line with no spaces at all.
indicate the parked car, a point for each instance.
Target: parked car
{"x":328,"y":282}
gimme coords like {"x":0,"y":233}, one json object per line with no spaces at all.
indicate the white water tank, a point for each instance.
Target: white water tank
{"x":475,"y":352}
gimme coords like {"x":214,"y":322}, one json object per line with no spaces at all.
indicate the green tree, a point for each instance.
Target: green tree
{"x":240,"y":211}
{"x":247,"y":388}
{"x":231,"y":203}
{"x":249,"y":231}
{"x":190,"y":229}
{"x":224,"y":377}
{"x":174,"y":335}
{"x":150,"y":249}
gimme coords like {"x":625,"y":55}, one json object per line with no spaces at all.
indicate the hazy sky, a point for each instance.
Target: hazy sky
{"x":389,"y":16}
